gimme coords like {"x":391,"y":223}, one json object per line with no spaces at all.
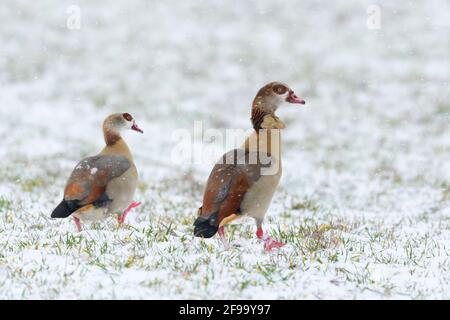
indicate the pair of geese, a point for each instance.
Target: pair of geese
{"x":104,"y":184}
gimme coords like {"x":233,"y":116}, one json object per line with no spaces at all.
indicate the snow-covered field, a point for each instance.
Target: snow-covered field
{"x":364,"y":203}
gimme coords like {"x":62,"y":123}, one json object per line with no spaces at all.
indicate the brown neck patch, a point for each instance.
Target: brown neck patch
{"x":111,"y":137}
{"x":261,"y":106}
{"x":258,"y":115}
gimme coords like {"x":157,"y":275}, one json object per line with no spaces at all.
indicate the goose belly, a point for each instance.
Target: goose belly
{"x":91,"y":213}
{"x":257,"y":199}
{"x":121,"y":190}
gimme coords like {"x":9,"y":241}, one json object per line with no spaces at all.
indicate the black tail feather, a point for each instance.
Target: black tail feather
{"x":206,"y":227}
{"x":65,"y":209}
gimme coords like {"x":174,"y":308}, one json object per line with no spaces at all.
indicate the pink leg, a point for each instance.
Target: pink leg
{"x":122,"y":217}
{"x":77,"y":223}
{"x":221,"y":233}
{"x":269,"y":243}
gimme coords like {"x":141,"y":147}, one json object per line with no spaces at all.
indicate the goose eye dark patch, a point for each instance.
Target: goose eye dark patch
{"x":127,"y":116}
{"x":279,"y":89}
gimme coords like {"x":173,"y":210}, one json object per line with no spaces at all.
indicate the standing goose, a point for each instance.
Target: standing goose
{"x":244,"y":180}
{"x":104,"y":184}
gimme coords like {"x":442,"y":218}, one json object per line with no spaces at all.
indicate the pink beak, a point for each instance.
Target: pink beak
{"x":136,"y":128}
{"x":292,"y":98}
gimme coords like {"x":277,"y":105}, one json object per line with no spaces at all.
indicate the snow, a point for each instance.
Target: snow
{"x":364,"y":199}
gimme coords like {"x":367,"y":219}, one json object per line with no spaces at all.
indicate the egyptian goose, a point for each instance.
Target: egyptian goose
{"x":103,"y":184}
{"x":244,"y":180}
